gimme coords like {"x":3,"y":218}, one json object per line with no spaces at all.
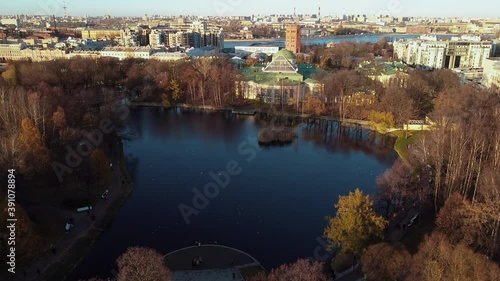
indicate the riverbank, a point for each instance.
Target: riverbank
{"x":72,"y":249}
{"x":320,"y":38}
{"x":400,"y":145}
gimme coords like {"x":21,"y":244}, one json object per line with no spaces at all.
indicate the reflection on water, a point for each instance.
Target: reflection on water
{"x":274,"y":209}
{"x":345,"y":139}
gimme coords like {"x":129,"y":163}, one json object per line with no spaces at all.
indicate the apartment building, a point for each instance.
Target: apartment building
{"x":491,"y":72}
{"x":12,"y":51}
{"x":122,"y":53}
{"x":293,"y":39}
{"x":428,"y":52}
{"x":21,"y":51}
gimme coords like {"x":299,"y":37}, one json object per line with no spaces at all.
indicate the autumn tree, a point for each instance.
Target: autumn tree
{"x":176,"y":90}
{"x":35,"y":150}
{"x":399,"y":104}
{"x":393,"y":266}
{"x":59,"y":118}
{"x":393,"y":186}
{"x":438,"y":260}
{"x":10,"y":75}
{"x":449,"y":219}
{"x":142,"y":264}
{"x":339,"y":85}
{"x":355,"y":225}
{"x":301,"y":270}
{"x":382,"y":121}
{"x":313,"y":105}
{"x":475,"y":225}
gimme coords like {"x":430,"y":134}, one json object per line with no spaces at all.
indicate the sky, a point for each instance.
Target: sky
{"x":430,"y":8}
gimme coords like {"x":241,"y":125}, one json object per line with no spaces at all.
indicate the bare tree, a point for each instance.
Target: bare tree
{"x":301,"y":270}
{"x":142,"y":264}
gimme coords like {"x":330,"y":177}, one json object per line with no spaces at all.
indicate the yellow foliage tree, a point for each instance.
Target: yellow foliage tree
{"x":10,"y":75}
{"x":34,"y":148}
{"x":355,"y":225}
{"x":313,"y":105}
{"x":59,"y":118}
{"x":176,"y":90}
{"x":382,"y":121}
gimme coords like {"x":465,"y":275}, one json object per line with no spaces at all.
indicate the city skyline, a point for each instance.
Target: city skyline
{"x":397,"y":8}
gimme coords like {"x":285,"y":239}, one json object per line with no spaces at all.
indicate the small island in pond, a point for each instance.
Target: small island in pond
{"x":276,"y":135}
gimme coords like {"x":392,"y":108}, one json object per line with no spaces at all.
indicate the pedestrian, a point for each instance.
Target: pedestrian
{"x":53,"y":249}
{"x":234,"y":276}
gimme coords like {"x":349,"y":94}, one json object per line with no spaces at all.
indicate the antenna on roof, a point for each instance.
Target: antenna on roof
{"x":65,"y":10}
{"x":55,"y":23}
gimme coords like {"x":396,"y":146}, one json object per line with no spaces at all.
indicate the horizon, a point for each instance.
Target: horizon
{"x":126,"y":8}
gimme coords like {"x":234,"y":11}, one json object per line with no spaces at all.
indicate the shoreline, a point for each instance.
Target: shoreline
{"x":339,"y":36}
{"x":325,"y":37}
{"x":235,"y":111}
{"x":59,"y":267}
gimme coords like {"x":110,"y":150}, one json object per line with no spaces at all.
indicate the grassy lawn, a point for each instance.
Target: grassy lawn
{"x":401,"y":145}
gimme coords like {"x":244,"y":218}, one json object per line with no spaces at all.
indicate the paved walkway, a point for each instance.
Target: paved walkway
{"x":83,"y":224}
{"x":213,"y":256}
{"x":208,"y":275}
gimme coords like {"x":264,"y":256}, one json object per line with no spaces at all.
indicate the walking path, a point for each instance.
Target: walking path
{"x":213,"y":256}
{"x":218,"y":263}
{"x":83,"y":226}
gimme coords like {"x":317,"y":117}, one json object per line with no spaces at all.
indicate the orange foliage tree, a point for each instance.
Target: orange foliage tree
{"x":34,"y":148}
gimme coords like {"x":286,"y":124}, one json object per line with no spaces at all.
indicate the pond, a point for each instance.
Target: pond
{"x":270,"y":202}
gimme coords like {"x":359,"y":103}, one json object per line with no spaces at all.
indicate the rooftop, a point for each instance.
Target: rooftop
{"x":256,"y":74}
{"x":387,"y":68}
{"x":285,"y":53}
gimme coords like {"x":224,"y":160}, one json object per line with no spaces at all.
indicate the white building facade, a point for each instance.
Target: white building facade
{"x":436,"y":54}
{"x":491,"y":73}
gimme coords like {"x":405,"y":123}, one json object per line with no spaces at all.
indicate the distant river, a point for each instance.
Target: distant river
{"x":274,"y":209}
{"x":325,"y":40}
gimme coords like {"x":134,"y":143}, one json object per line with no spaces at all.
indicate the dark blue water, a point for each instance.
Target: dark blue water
{"x":274,"y":209}
{"x":326,"y":40}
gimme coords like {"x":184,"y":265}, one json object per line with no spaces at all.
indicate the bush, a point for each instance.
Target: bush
{"x":343,"y":261}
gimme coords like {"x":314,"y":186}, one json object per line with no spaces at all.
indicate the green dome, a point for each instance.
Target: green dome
{"x":287,"y":54}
